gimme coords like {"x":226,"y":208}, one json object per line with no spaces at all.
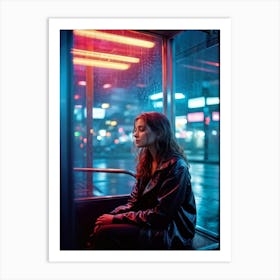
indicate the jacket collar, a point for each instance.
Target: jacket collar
{"x":166,"y":163}
{"x":162,"y":166}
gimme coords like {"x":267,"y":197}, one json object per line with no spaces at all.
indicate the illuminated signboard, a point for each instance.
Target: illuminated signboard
{"x":195,"y":117}
{"x":215,"y":116}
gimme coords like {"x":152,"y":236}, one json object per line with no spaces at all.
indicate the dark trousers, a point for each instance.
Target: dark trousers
{"x":125,"y":237}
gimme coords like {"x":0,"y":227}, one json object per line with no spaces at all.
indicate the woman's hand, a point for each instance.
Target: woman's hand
{"x":104,"y":219}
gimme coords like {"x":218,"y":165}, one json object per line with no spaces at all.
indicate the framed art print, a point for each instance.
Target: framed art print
{"x":102,"y":73}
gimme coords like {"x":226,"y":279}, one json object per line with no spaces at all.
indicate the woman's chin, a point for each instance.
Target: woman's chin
{"x":139,"y":145}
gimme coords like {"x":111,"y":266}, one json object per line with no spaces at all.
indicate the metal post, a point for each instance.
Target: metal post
{"x":164,"y":74}
{"x":89,"y":106}
{"x":67,"y":218}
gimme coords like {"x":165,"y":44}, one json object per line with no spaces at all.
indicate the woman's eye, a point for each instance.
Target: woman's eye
{"x":139,"y":128}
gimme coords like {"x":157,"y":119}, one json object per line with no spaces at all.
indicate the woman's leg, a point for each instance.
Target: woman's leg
{"x":116,"y":237}
{"x":126,"y":237}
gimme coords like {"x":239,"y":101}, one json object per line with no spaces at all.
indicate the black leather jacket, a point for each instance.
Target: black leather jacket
{"x":165,"y":207}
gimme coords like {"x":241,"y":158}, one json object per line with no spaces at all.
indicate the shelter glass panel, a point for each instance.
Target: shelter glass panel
{"x":117,"y":73}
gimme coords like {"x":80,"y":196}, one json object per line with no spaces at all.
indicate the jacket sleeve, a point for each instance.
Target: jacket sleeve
{"x":170,"y":197}
{"x":131,"y":201}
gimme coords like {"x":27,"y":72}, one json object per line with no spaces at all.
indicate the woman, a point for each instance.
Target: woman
{"x":161,"y":211}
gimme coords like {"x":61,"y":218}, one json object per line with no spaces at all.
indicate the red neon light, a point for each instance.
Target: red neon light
{"x":114,"y":38}
{"x":100,"y":63}
{"x":207,"y":120}
{"x":101,"y":55}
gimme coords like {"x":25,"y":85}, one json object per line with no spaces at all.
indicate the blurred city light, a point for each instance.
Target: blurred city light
{"x":107,"y":86}
{"x":215,"y":116}
{"x":179,"y":95}
{"x":97,"y":113}
{"x":102,"y":132}
{"x":159,"y":95}
{"x":158,"y":104}
{"x":156,"y":96}
{"x":212,"y":100}
{"x":195,"y":117}
{"x":113,"y":123}
{"x":196,"y":102}
{"x":82,"y":83}
{"x":105,"y":105}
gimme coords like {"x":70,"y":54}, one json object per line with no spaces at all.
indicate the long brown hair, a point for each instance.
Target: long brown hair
{"x":165,"y":144}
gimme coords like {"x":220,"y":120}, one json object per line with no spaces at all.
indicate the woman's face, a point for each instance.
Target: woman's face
{"x":144,"y":136}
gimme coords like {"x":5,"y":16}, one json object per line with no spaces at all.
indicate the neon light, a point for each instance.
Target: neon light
{"x":107,"y":86}
{"x":97,"y":113}
{"x":179,"y":95}
{"x":114,"y":38}
{"x":203,"y":69}
{"x":212,"y":63}
{"x":105,"y":105}
{"x":215,"y":116}
{"x":156,"y":96}
{"x":196,"y":102}
{"x":82,"y":83}
{"x":159,"y":95}
{"x":212,"y":100}
{"x":100,"y":63}
{"x":195,"y":117}
{"x":106,"y":56}
{"x":158,"y":104}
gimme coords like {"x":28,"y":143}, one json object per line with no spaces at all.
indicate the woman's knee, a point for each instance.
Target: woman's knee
{"x":115,"y":236}
{"x":102,"y":231}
